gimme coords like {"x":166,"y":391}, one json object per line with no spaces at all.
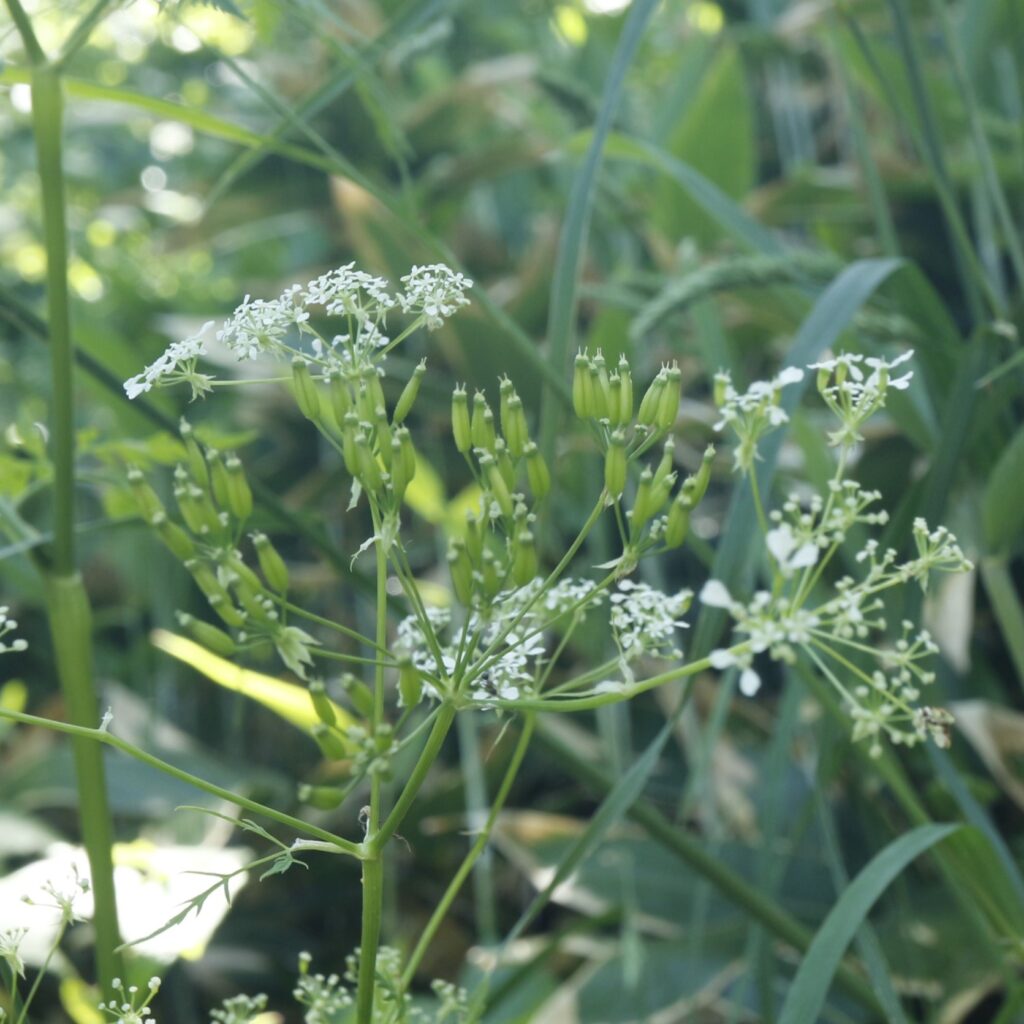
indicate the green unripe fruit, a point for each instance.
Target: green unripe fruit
{"x":482,"y":424}
{"x":461,"y":568}
{"x":341,"y":398}
{"x":410,"y":682}
{"x":474,"y":537}
{"x":666,"y":463}
{"x":218,"y":477}
{"x":323,"y":798}
{"x":409,"y":393}
{"x":149,"y":504}
{"x":615,"y":401}
{"x":304,"y":389}
{"x":643,"y":504}
{"x":496,"y":485}
{"x":349,"y":450}
{"x":626,"y":391}
{"x":678,"y":524}
{"x":331,"y":744}
{"x":580,"y":385}
{"x":513,"y":426}
{"x":668,"y":404}
{"x":525,"y":565}
{"x":272,"y":565}
{"x":193,"y":455}
{"x":537,"y":473}
{"x":369,"y":472}
{"x":178,"y":542}
{"x":598,"y":393}
{"x":322,"y":704}
{"x":615,"y":465}
{"x":461,"y":429}
{"x":360,"y":695}
{"x":210,"y":637}
{"x":695,"y":487}
{"x":239,"y":494}
{"x":652,"y":399}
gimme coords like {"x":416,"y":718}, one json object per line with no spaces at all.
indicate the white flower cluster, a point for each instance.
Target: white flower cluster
{"x":753,"y":413}
{"x":10,"y":946}
{"x":854,"y":396}
{"x":837,"y":634}
{"x":63,"y":900}
{"x":323,"y":996}
{"x":133,"y":1007}
{"x":274,"y":327}
{"x":240,"y":1009}
{"x":645,"y":620}
{"x":7,"y":626}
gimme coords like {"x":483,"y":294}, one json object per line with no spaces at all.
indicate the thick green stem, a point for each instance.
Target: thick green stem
{"x":373,"y":866}
{"x":68,"y":605}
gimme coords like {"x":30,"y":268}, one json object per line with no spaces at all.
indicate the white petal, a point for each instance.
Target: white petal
{"x":790,"y":375}
{"x":715,"y":595}
{"x":721,"y":659}
{"x":806,"y":556}
{"x":780,"y":542}
{"x":750,"y":682}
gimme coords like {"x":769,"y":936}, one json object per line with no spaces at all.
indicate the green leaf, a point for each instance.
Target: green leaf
{"x":715,"y":136}
{"x":806,"y":996}
{"x":1002,"y":509}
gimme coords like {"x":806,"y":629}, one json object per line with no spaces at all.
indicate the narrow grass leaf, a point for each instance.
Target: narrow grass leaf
{"x":807,"y":994}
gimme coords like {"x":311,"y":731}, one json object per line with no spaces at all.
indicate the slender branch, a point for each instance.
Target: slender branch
{"x":79,"y":35}
{"x":482,"y":839}
{"x":23,"y":24}
{"x":110,"y":740}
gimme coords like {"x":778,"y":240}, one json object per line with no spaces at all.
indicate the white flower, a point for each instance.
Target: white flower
{"x":10,"y":943}
{"x":715,"y":595}
{"x":645,"y":620}
{"x":133,"y":1007}
{"x":789,"y":553}
{"x":750,"y":681}
{"x":752,"y":414}
{"x":7,"y":626}
{"x":176,"y":365}
{"x":436,"y":292}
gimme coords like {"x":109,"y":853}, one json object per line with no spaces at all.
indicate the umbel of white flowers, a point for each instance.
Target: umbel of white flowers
{"x":276,"y":328}
{"x":7,"y":626}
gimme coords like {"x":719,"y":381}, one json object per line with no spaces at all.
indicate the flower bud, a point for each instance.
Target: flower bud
{"x":525,"y":565}
{"x":272,"y":565}
{"x":409,"y":393}
{"x":615,"y":465}
{"x":304,"y":390}
{"x":461,"y":569}
{"x":323,"y":798}
{"x":668,"y":403}
{"x":359,"y":694}
{"x":482,"y":429}
{"x":322,"y":704}
{"x":537,"y":474}
{"x":678,"y":524}
{"x":239,"y":494}
{"x":177,"y":541}
{"x":580,"y":385}
{"x":194,"y":457}
{"x":146,"y":499}
{"x":460,"y":420}
{"x":210,"y":637}
{"x":329,"y":741}
{"x":410,"y":682}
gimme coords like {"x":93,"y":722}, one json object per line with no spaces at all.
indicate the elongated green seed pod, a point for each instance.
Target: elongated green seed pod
{"x":239,"y":493}
{"x":474,"y":537}
{"x":615,"y":465}
{"x":643,"y":505}
{"x":525,"y":565}
{"x":331,"y":744}
{"x":482,"y":424}
{"x":626,"y":391}
{"x":580,"y":385}
{"x":514,"y":428}
{"x":146,"y":499}
{"x":410,"y":682}
{"x":304,"y":389}
{"x":668,"y":404}
{"x":210,"y":637}
{"x":341,"y":397}
{"x":349,"y":449}
{"x":193,"y":454}
{"x":409,"y":393}
{"x":678,"y":525}
{"x":496,"y":485}
{"x":461,"y":429}
{"x":652,"y":399}
{"x":323,"y":798}
{"x":537,"y":474}
{"x":218,"y":477}
{"x":359,"y":695}
{"x":272,"y":565}
{"x":666,"y":463}
{"x":177,"y":541}
{"x":695,"y":487}
{"x":321,"y":702}
{"x":461,"y":569}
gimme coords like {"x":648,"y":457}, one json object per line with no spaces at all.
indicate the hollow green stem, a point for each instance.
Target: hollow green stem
{"x":110,"y":740}
{"x":482,"y":839}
